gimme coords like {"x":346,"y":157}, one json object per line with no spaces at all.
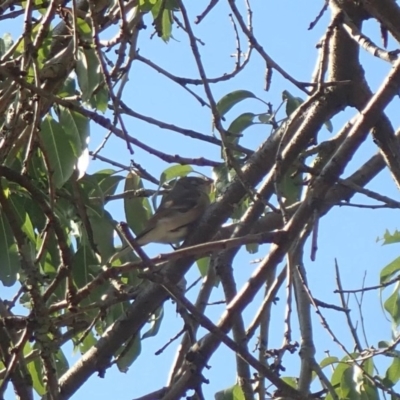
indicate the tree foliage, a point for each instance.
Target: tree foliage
{"x":67,"y":75}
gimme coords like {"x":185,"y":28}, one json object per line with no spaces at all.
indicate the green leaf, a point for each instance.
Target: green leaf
{"x":2,"y":47}
{"x":328,"y":361}
{"x":241,"y":123}
{"x":9,"y":257}
{"x":84,"y":28}
{"x":51,"y":258}
{"x":339,"y":371}
{"x":176,"y":171}
{"x":291,"y":185}
{"x":103,"y":234}
{"x":349,"y":383}
{"x":392,"y":305}
{"x":155,"y":321}
{"x":88,"y":342}
{"x":231,"y":99}
{"x":18,"y":204}
{"x":241,"y":208}
{"x":252,"y":248}
{"x":368,"y":366}
{"x":137,"y":209}
{"x":291,"y":381}
{"x":370,"y":391}
{"x":101,"y":183}
{"x":85,"y":267}
{"x":44,"y":49}
{"x":166,"y":25}
{"x":130,"y":352}
{"x":113,"y":314}
{"x":390,"y":238}
{"x":291,"y":102}
{"x":35,"y":214}
{"x":146,"y":5}
{"x":5,"y":43}
{"x":390,"y":270}
{"x":88,"y":72}
{"x":99,"y":100}
{"x":324,"y":363}
{"x":77,"y":127}
{"x":61,"y":362}
{"x":392,"y":375}
{"x":8,"y":41}
{"x":59,"y":150}
{"x":203,"y":264}
{"x":68,"y":89}
{"x":37,"y":3}
{"x":233,"y":393}
{"x":107,"y":181}
{"x":36,"y":373}
{"x":221,"y":178}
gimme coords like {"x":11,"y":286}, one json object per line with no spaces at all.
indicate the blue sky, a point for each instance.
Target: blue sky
{"x":348,"y":234}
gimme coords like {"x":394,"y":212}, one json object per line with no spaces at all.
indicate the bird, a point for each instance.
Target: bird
{"x":179,"y":209}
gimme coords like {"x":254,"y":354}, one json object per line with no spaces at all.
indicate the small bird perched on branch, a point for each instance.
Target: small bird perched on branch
{"x":179,"y":209}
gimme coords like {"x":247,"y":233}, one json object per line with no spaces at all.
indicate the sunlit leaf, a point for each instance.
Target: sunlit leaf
{"x":175,"y":171}
{"x":328,"y":361}
{"x":349,"y":384}
{"x":291,"y":381}
{"x":166,"y":25}
{"x":5,"y":43}
{"x":390,"y":238}
{"x":392,"y":305}
{"x":390,"y":270}
{"x":370,"y":391}
{"x":36,"y":373}
{"x":77,"y":127}
{"x":84,"y":28}
{"x":203,"y":264}
{"x":59,"y":150}
{"x":392,"y":375}
{"x":241,"y":123}
{"x":88,"y":72}
{"x":231,"y":99}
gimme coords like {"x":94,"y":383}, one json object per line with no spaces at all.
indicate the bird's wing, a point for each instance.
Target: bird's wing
{"x":183,"y":202}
